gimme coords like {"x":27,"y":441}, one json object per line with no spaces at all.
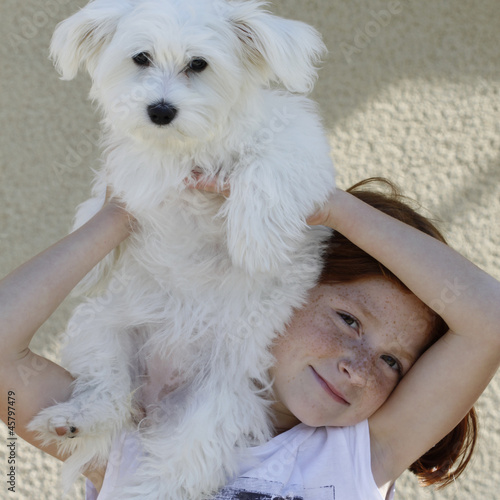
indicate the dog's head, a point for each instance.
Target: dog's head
{"x":176,"y":68}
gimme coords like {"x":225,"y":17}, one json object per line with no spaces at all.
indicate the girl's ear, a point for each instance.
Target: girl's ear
{"x":280,"y":49}
{"x":80,"y":38}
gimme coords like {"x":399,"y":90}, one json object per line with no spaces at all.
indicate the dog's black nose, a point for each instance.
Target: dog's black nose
{"x":161,"y":113}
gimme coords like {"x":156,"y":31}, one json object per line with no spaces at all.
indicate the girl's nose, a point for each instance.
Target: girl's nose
{"x":356,"y":371}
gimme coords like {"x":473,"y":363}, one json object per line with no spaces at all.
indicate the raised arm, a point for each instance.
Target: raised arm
{"x":445,"y":382}
{"x":28,"y":296}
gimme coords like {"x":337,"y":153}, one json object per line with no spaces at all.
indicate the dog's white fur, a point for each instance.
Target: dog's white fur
{"x":193,"y":300}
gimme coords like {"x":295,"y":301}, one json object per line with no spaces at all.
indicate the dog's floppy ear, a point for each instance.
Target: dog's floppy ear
{"x":281,"y":49}
{"x":78,"y":39}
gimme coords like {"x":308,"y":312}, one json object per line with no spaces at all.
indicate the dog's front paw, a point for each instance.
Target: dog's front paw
{"x":264,"y":252}
{"x":265,"y":219}
{"x":262,"y":240}
{"x":63,"y":421}
{"x":89,"y":414}
{"x":82,"y":418}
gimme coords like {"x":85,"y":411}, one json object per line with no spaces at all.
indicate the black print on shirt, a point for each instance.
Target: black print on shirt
{"x":258,"y":489}
{"x":248,"y":495}
{"x":245,"y":495}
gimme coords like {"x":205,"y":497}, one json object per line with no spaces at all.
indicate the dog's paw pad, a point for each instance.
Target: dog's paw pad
{"x":62,"y":427}
{"x":66,"y":431}
{"x":51,"y":426}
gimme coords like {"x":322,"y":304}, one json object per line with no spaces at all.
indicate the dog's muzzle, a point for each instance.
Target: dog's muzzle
{"x":161,"y":113}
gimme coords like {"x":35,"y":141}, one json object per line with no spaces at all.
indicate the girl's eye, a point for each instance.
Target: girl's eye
{"x":392,"y":363}
{"x":349,"y":320}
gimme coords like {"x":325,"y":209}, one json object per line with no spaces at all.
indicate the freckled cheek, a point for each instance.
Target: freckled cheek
{"x":380,"y":388}
{"x":311,"y":333}
{"x":366,"y":363}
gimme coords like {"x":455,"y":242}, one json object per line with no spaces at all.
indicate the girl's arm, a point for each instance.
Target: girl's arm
{"x":449,"y":377}
{"x":28,"y":296}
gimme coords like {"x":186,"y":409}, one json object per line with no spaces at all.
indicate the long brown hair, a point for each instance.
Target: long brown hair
{"x":344,"y":262}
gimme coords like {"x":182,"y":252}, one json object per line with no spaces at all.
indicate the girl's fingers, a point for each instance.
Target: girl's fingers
{"x":213,"y":185}
{"x":318,"y":218}
{"x":315,"y":219}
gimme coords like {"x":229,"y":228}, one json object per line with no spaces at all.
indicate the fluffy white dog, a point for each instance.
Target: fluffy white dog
{"x":178,"y":337}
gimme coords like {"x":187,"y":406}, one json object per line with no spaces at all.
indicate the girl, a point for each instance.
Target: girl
{"x":377,"y":373}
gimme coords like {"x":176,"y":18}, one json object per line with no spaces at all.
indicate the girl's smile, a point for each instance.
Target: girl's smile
{"x":345,"y":351}
{"x":329,"y":389}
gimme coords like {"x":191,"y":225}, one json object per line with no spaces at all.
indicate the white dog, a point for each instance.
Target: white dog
{"x":179,"y":336}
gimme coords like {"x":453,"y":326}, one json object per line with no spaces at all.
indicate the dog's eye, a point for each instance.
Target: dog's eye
{"x":198,"y":65}
{"x":142,"y":59}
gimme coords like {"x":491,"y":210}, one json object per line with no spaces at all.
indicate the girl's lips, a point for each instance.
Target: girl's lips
{"x":329,"y":389}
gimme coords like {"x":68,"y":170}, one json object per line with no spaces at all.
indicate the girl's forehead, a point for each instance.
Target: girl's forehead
{"x":373,"y":292}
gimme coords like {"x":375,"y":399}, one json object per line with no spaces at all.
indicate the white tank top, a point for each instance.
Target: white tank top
{"x":304,"y":463}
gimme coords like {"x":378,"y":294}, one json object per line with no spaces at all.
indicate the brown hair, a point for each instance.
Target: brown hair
{"x":344,"y":262}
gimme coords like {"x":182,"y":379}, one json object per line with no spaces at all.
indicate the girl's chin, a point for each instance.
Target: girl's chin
{"x":283,"y":418}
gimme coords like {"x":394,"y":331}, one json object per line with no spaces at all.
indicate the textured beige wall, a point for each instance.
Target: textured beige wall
{"x":410,"y":91}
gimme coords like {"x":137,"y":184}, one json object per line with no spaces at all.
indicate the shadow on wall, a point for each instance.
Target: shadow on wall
{"x":375,"y":43}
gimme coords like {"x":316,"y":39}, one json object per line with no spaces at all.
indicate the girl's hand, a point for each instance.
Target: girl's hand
{"x":324,"y":215}
{"x":213,"y":185}
{"x":113,"y":203}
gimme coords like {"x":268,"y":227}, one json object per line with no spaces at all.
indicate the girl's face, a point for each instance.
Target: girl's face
{"x":345,"y":351}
